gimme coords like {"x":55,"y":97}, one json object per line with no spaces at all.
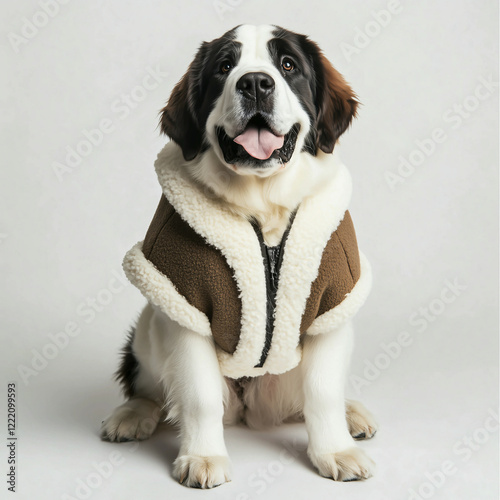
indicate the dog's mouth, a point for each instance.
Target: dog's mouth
{"x":257,"y":143}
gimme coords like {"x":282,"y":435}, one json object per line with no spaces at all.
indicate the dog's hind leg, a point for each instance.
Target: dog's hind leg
{"x":134,"y":420}
{"x":361,"y":422}
{"x":137,"y":418}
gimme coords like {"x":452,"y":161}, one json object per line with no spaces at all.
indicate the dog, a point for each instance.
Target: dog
{"x":250,"y":265}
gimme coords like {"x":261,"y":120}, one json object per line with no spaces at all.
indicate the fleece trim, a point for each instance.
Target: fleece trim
{"x":160,"y":291}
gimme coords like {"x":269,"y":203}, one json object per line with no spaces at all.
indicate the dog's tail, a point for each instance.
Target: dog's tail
{"x":127,"y":372}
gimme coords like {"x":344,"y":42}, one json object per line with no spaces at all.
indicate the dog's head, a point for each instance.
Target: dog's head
{"x":258,"y":95}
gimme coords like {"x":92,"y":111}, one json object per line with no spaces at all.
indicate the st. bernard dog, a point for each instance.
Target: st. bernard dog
{"x":250,"y":265}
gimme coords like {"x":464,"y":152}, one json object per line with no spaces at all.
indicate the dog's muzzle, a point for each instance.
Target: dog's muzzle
{"x":256,"y":142}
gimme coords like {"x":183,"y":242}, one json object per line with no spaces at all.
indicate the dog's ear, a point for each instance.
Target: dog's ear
{"x":177,"y":119}
{"x":336,"y":103}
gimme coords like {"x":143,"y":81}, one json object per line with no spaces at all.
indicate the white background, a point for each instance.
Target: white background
{"x":63,"y":237}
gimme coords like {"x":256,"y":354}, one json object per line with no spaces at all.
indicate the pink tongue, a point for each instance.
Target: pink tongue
{"x":259,"y":143}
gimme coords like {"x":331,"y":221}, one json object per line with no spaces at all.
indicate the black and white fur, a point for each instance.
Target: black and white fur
{"x":176,"y":376}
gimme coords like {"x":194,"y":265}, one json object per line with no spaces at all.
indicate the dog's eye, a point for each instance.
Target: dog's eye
{"x":226,"y":67}
{"x":287,"y":64}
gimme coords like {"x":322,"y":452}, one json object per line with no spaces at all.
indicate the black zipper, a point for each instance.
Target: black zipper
{"x":273,"y":258}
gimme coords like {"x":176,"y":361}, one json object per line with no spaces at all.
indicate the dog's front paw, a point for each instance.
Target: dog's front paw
{"x":362,"y":424}
{"x":202,"y":472}
{"x":352,"y":464}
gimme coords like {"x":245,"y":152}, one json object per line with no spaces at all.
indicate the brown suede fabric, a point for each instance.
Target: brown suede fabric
{"x":338,"y":272}
{"x":201,"y":274}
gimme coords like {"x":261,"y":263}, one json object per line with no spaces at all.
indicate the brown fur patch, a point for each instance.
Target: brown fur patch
{"x":176,"y":119}
{"x":338,"y":105}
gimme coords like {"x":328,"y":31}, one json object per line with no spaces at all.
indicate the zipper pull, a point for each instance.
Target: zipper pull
{"x":273,"y":254}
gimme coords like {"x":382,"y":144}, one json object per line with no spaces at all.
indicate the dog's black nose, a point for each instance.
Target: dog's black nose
{"x":256,"y":86}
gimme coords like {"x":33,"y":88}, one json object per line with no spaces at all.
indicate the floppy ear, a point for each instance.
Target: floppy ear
{"x":336,"y":103}
{"x":177,"y":119}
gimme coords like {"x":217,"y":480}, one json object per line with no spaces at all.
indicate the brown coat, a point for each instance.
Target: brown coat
{"x":206,"y":269}
{"x":202,"y":275}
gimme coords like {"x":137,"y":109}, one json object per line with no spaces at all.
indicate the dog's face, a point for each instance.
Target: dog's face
{"x":258,"y":96}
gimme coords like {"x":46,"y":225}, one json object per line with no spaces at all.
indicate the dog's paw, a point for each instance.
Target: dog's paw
{"x":352,"y":464}
{"x":134,"y":420}
{"x":361,"y":422}
{"x":202,"y":472}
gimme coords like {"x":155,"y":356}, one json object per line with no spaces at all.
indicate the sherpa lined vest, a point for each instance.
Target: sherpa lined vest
{"x":206,"y":268}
